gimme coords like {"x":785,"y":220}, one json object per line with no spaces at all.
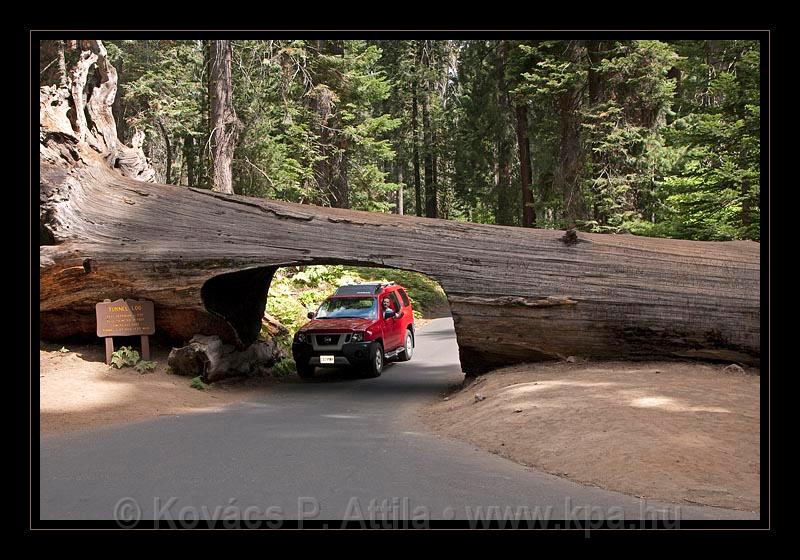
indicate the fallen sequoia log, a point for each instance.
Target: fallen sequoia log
{"x":206,"y":260}
{"x":210,"y":358}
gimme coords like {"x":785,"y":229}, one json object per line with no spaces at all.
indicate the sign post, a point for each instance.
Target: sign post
{"x":127,"y":317}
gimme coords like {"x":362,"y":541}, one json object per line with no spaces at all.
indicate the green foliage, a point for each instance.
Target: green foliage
{"x":197,"y":383}
{"x":145,"y":366}
{"x":626,"y":153}
{"x":668,"y":132}
{"x":284,"y":368}
{"x":126,"y":356}
{"x":713,"y":190}
{"x":163,"y":92}
{"x":425,"y":294}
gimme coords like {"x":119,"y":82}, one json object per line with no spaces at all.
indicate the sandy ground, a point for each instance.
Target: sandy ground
{"x":77,"y":390}
{"x":680,"y":432}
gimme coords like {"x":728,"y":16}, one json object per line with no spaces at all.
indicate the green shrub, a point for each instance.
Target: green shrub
{"x":284,"y":368}
{"x":145,"y":366}
{"x":124,"y":357}
{"x":197,"y":383}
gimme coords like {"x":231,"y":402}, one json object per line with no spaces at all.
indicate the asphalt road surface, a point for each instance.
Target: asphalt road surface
{"x":338,"y":448}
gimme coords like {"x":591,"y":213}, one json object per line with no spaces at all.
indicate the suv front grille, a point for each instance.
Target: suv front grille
{"x":327,"y":339}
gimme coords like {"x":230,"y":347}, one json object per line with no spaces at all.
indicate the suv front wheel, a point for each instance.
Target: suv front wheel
{"x":375,"y":366}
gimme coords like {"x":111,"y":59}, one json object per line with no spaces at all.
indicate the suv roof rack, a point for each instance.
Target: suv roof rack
{"x":358,"y":289}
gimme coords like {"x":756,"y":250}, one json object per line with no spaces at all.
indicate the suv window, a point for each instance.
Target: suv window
{"x":349,"y":307}
{"x":393,"y":295}
{"x":404,"y":297}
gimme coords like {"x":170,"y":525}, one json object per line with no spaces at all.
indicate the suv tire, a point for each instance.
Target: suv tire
{"x":376,"y":360}
{"x":408,"y":349}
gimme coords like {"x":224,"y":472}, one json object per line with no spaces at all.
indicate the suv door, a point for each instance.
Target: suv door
{"x":393,"y":327}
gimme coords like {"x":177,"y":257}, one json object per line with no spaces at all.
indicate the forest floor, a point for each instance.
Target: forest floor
{"x":674,"y":431}
{"x":77,"y":390}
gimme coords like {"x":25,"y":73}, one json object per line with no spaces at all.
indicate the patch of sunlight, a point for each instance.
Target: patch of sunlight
{"x":201,"y":409}
{"x":531,"y":386}
{"x":97,"y":396}
{"x":672,"y":405}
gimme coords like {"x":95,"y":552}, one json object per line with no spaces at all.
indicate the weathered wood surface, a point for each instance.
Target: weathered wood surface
{"x":516,"y":294}
{"x":211,"y":359}
{"x":206,"y":258}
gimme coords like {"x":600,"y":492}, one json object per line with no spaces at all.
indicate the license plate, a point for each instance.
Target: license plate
{"x":326,"y":359}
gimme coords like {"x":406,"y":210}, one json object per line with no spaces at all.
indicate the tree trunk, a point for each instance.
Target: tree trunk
{"x":567,"y":173}
{"x":76,"y":115}
{"x":52,"y":67}
{"x":427,"y":133}
{"x":524,"y":148}
{"x":225,"y":126}
{"x":62,"y":65}
{"x":168,"y":164}
{"x":517,"y":295}
{"x":400,"y":179}
{"x":415,"y":145}
{"x":595,"y":79}
{"x":504,"y":210}
{"x":330,"y":171}
{"x":745,"y":215}
{"x":190,"y":160}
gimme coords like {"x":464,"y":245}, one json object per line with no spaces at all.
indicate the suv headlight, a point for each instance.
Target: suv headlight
{"x":300,"y":337}
{"x":357,"y":337}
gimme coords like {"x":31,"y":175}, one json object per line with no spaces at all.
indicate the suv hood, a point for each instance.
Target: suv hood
{"x":337,"y":325}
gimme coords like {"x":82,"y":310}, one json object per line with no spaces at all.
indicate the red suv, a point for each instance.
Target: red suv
{"x":361,"y":325}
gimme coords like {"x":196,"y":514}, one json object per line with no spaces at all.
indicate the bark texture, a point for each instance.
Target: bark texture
{"x":225,"y":125}
{"x":211,"y":359}
{"x":524,"y":149}
{"x":569,"y":162}
{"x":206,"y":259}
{"x":330,"y":171}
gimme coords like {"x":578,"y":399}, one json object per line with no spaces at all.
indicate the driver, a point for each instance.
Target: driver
{"x":387,"y":306}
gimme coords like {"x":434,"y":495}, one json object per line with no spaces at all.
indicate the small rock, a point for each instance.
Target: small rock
{"x":734,"y":368}
{"x":479,"y":397}
{"x":517,"y":410}
{"x":570,"y":359}
{"x":658,"y":371}
{"x":446,"y":399}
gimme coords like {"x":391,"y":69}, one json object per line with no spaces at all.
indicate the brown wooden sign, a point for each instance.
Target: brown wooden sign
{"x":127,"y":317}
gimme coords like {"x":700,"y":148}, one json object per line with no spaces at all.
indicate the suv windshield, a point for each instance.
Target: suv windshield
{"x":351,"y":308}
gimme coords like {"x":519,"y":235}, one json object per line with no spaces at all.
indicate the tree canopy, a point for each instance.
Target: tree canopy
{"x":657,"y":138}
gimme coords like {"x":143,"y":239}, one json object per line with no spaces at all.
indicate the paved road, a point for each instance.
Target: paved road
{"x":332,"y":449}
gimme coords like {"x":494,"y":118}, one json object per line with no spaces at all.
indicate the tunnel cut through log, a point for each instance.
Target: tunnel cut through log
{"x":516,"y":294}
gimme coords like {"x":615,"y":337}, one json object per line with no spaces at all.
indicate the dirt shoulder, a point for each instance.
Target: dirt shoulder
{"x":78,"y":391}
{"x":679,"y":432}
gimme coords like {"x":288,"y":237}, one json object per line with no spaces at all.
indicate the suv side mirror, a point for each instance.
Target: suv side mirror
{"x":311,"y":315}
